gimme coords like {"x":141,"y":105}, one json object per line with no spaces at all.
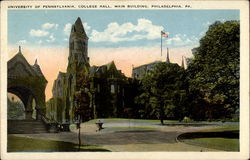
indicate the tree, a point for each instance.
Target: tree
{"x":82,"y":101}
{"x":82,"y":98}
{"x":213,"y":73}
{"x":163,"y":90}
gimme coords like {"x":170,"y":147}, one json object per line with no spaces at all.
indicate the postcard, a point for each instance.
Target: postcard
{"x":124,"y":80}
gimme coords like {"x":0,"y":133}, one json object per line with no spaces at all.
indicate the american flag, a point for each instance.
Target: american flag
{"x":164,"y":34}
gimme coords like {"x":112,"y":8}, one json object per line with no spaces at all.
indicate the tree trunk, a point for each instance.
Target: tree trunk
{"x":162,"y":123}
{"x":79,"y":136}
{"x":161,"y":114}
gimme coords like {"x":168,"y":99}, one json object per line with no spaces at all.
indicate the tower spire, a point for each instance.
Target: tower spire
{"x":36,"y":61}
{"x":168,"y":60}
{"x":182,"y":63}
{"x":20,"y":49}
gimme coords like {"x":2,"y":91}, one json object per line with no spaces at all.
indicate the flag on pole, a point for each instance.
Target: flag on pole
{"x":164,"y":34}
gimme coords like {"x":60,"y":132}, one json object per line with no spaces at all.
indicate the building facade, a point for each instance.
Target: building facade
{"x":106,"y":83}
{"x":61,"y":106}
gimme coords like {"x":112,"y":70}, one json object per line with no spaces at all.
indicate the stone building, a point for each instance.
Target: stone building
{"x":28,"y":83}
{"x":139,"y":71}
{"x":60,"y":106}
{"x":106,"y":83}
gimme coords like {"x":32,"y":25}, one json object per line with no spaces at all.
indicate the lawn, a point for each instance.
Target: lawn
{"x":226,"y":144}
{"x":21,"y":144}
{"x":221,"y":137}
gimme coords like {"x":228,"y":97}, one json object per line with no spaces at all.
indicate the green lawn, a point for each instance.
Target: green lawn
{"x":222,"y":128}
{"x":21,"y":144}
{"x":226,"y":144}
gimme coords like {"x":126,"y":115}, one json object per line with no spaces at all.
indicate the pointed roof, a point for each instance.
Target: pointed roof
{"x":110,"y":64}
{"x":167,"y":60}
{"x":19,"y":50}
{"x":103,"y":68}
{"x":78,"y":27}
{"x":32,"y":70}
{"x":182,"y":63}
{"x":37,"y":68}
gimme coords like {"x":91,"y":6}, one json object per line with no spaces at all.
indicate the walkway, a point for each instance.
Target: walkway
{"x":128,"y":136}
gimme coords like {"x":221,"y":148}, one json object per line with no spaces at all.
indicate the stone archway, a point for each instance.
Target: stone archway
{"x":27,"y":98}
{"x":27,"y":82}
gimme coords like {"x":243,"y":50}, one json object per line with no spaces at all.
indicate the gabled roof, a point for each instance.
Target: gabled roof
{"x":31,"y":70}
{"x":100,"y":69}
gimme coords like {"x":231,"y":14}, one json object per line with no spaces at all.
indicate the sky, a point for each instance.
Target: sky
{"x":129,"y":37}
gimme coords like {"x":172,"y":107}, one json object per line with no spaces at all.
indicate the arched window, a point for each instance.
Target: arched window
{"x":112,"y":88}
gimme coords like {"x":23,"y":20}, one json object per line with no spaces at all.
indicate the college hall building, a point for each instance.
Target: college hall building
{"x":110,"y":91}
{"x":107,"y":84}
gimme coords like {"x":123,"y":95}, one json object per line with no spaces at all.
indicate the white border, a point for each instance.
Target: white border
{"x":244,"y":88}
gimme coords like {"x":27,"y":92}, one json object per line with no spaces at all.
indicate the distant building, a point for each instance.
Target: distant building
{"x":138,"y":72}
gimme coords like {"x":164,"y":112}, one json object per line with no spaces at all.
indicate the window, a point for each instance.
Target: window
{"x":98,"y":87}
{"x":112,"y":88}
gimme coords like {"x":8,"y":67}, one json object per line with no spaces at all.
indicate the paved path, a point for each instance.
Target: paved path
{"x":129,"y":137}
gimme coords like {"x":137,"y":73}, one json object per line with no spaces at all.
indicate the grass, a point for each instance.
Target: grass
{"x":221,"y":143}
{"x":221,"y":128}
{"x":21,"y":144}
{"x":226,"y":144}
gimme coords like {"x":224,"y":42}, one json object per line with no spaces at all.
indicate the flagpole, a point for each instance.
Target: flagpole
{"x":161,"y":43}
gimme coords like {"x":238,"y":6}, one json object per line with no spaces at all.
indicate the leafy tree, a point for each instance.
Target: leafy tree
{"x":163,"y":91}
{"x":213,"y":73}
{"x":82,"y":108}
{"x":82,"y":98}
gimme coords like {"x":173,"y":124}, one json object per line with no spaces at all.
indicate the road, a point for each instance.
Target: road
{"x":128,"y":136}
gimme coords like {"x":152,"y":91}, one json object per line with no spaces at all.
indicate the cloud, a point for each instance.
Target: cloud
{"x":182,"y":40}
{"x":205,"y":28}
{"x":38,"y":33}
{"x":22,"y":42}
{"x":51,"y":38}
{"x":49,"y":26}
{"x":67,"y":29}
{"x":144,"y":29}
{"x":206,"y":24}
{"x":86,"y":27}
{"x":39,"y":42}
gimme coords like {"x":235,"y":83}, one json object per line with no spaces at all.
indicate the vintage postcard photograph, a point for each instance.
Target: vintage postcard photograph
{"x":95,"y":78}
